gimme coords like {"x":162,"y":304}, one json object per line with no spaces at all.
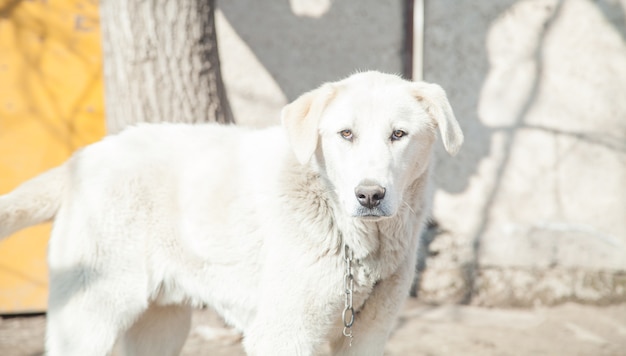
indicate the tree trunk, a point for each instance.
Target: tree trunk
{"x":161,"y":63}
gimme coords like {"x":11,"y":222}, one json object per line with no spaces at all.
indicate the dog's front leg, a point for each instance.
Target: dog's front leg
{"x":295,"y":309}
{"x":289,"y":327}
{"x":375,"y":321}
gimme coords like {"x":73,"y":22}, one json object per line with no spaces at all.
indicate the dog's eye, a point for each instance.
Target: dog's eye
{"x":346,"y":134}
{"x":397,"y":134}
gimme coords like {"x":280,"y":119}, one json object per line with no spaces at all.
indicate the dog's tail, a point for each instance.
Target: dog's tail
{"x":34,"y":201}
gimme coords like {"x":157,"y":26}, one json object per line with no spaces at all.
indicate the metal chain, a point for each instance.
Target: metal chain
{"x":348,"y":285}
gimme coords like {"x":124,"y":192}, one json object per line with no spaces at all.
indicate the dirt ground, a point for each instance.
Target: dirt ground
{"x":569,"y":329}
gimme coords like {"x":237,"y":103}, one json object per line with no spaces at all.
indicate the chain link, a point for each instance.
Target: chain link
{"x":348,"y":285}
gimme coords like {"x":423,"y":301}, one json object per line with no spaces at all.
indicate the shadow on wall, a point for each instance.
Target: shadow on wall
{"x":301,"y":52}
{"x":455,"y":57}
{"x":615,"y":13}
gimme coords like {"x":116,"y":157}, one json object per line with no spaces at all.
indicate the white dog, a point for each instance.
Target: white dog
{"x":297,"y":236}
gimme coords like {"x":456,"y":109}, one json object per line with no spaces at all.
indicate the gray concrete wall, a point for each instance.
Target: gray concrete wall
{"x":533,"y":210}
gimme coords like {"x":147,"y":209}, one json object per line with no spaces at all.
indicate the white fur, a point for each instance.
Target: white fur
{"x":161,"y":218}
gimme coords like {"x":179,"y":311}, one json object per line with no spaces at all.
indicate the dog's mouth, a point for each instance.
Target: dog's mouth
{"x":371,"y":213}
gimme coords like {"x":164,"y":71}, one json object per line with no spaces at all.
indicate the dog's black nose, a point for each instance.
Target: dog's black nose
{"x":369,"y":195}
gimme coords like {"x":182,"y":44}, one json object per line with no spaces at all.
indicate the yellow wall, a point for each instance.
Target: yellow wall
{"x":51,"y":103}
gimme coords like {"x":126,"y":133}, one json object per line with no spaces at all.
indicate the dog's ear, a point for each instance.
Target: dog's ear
{"x":436,"y":104}
{"x":301,"y":120}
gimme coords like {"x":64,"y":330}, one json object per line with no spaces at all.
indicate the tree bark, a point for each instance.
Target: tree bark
{"x":161,"y":63}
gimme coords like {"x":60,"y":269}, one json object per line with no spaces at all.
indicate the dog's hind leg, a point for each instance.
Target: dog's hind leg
{"x":85,"y":315}
{"x":160,"y":331}
{"x":87,"y":329}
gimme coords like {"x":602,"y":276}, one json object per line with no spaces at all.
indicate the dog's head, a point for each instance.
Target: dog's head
{"x":371,"y":135}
